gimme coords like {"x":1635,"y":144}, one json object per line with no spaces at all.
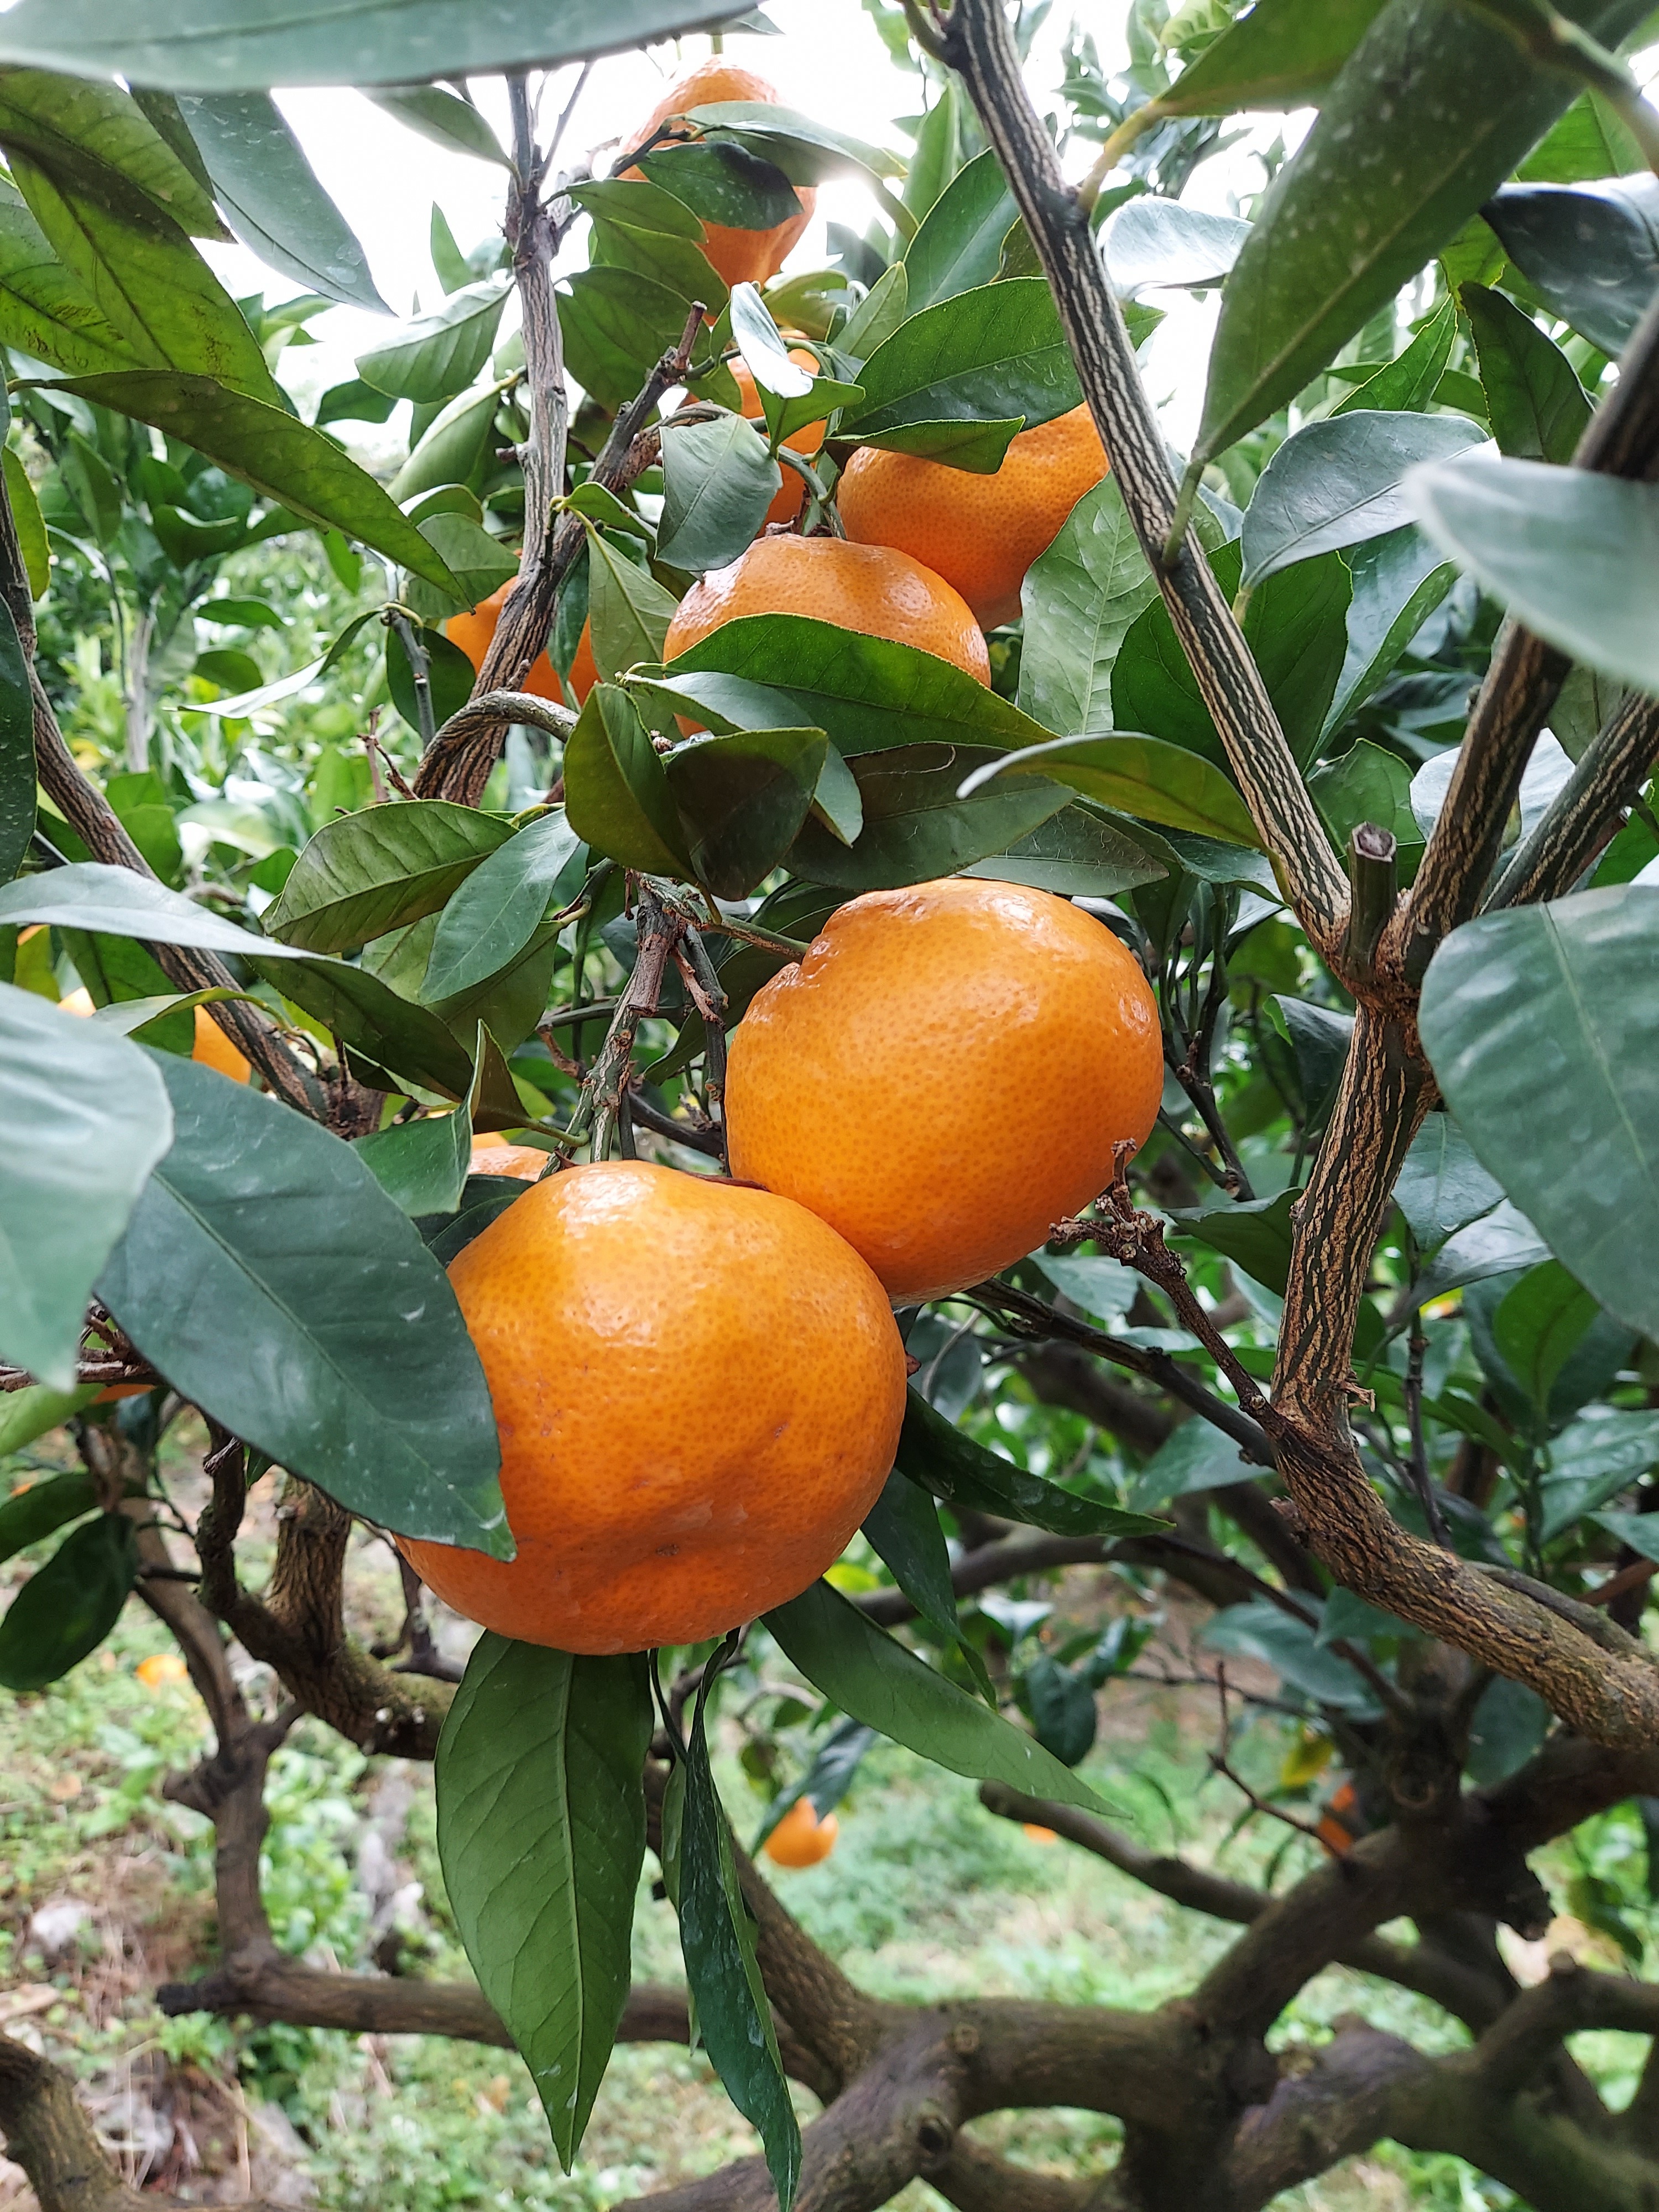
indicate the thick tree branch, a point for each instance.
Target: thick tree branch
{"x":977,"y":43}
{"x":1586,"y":812}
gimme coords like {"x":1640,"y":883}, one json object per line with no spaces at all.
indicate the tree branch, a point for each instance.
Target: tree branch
{"x":1584,"y":814}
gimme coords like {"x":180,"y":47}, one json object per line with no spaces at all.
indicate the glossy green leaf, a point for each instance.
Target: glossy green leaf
{"x":1410,"y":381}
{"x":31,"y":528}
{"x":237,"y":45}
{"x":663,"y":256}
{"x":1150,"y":242}
{"x":87,"y":895}
{"x":1429,"y":114}
{"x":617,"y":325}
{"x":25,"y":1415}
{"x":984,"y":356}
{"x":615,"y":790}
{"x":1255,"y":1236}
{"x":628,"y":610}
{"x":723,"y":183}
{"x":83,"y":1120}
{"x":1542,"y":1024}
{"x":82,"y":130}
{"x":958,"y":242}
{"x":806,"y":150}
{"x":1076,"y":853}
{"x":1281,"y":54}
{"x":421,"y":1165}
{"x":45,"y":309}
{"x":1194,"y":1457}
{"x":917,"y":824}
{"x":1366,"y":784}
{"x":1398,"y":579}
{"x":1591,"y":251}
{"x":934,"y":1452}
{"x":1142,"y":776}
{"x":1538,"y":1326}
{"x":902,"y":1527}
{"x":879,"y":1681}
{"x":438,"y":355}
{"x":1537,"y":406}
{"x":877,"y":315}
{"x":443,"y":118}
{"x":270,"y":190}
{"x":455,"y":447}
{"x":449,"y":674}
{"x":43,"y":1508}
{"x":718,"y":482}
{"x":17,"y":751}
{"x":500,"y":907}
{"x":1441,"y":1186}
{"x":734,"y":2015}
{"x":1572,"y":553}
{"x":742,"y":801}
{"x":866,"y":692}
{"x":1080,"y":600}
{"x":1501,"y":1243}
{"x":1339,"y":482}
{"x":541,"y":1834}
{"x":261,"y":1228}
{"x":1590,"y":141}
{"x":68,"y":1607}
{"x":376,"y":1021}
{"x":266,"y":447}
{"x":374,"y":871}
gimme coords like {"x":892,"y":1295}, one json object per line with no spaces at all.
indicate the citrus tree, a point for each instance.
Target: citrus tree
{"x":960,"y":909}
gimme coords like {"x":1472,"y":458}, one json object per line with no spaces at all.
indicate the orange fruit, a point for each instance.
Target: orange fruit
{"x":980,"y":533}
{"x":800,"y":1839}
{"x":859,"y":588}
{"x":1036,"y":1833}
{"x":473,"y":630}
{"x":738,"y":256}
{"x":494,"y":1156}
{"x":161,"y":1667}
{"x":212,"y":1047}
{"x":788,"y":504}
{"x":698,"y":1389}
{"x":946,"y":1074}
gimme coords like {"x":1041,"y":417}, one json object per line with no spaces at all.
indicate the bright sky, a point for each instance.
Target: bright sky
{"x":829,"y":61}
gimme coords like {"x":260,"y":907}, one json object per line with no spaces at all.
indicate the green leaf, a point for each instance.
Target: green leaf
{"x":25,"y":1415}
{"x":616,"y":793}
{"x":917,"y":825}
{"x":83,"y":1118}
{"x":1638,"y":1530}
{"x":984,"y":356}
{"x":1537,"y":406}
{"x":479,"y":562}
{"x":46,"y":310}
{"x":1412,"y":381}
{"x":1151,"y":243}
{"x":979,"y":447}
{"x":958,"y":241}
{"x":1080,"y":599}
{"x":628,"y":610}
{"x":1142,"y":776}
{"x":665,"y":256}
{"x":877,"y":315}
{"x":86,"y":894}
{"x":259,"y":1229}
{"x":723,"y":183}
{"x":1366,"y":784}
{"x":17,"y":749}
{"x":1255,"y":1236}
{"x":1572,"y":553}
{"x":1501,"y":1243}
{"x":1398,"y":579}
{"x":1339,"y":482}
{"x":734,"y":2016}
{"x":742,"y":800}
{"x":806,"y":150}
{"x":149,"y":282}
{"x":266,"y":447}
{"x":1441,"y":1186}
{"x":1590,"y":141}
{"x":1592,"y":253}
{"x":617,"y":325}
{"x":237,"y":45}
{"x":937,"y":154}
{"x":541,"y":1834}
{"x":867,"y":693}
{"x":68,"y":1607}
{"x":1076,"y":853}
{"x":376,"y":1021}
{"x":1541,"y":1024}
{"x":31,"y":528}
{"x":270,"y":190}
{"x":934,"y":1453}
{"x":445,"y":120}
{"x":421,"y":1165}
{"x":1430,"y":113}
{"x":1539,"y":1324}
{"x":1281,"y":55}
{"x":718,"y":482}
{"x":499,"y":908}
{"x":438,"y":355}
{"x":449,"y":672}
{"x":27,"y":1515}
{"x":455,"y":448}
{"x":902,"y":1527}
{"x":87,"y":130}
{"x":374,"y":871}
{"x":1194,"y":1457}
{"x":879,"y":1681}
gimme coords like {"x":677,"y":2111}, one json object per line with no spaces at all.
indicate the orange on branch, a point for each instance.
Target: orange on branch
{"x":858,"y":588}
{"x":698,"y":1389}
{"x":492,"y":1156}
{"x":947,"y":1073}
{"x":789,"y":499}
{"x":736,"y":257}
{"x":800,"y":1839}
{"x":980,"y":533}
{"x":473,"y":630}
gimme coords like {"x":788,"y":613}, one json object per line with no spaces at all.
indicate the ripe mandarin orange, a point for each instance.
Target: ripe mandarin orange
{"x":861,"y":587}
{"x":800,"y":1839}
{"x":944,"y":1074}
{"x":787,"y":504}
{"x":980,"y":533}
{"x":698,"y":1389}
{"x":493,"y":1156}
{"x":738,"y":256}
{"x":473,"y":630}
{"x":212,"y":1047}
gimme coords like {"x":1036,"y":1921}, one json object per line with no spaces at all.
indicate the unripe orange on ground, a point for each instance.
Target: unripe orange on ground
{"x":800,"y":1839}
{"x":980,"y":533}
{"x":860,"y":588}
{"x":787,"y":500}
{"x":736,"y":257}
{"x":491,"y":1156}
{"x":698,"y":1389}
{"x":944,"y":1074}
{"x":473,"y":630}
{"x":211,"y":1048}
